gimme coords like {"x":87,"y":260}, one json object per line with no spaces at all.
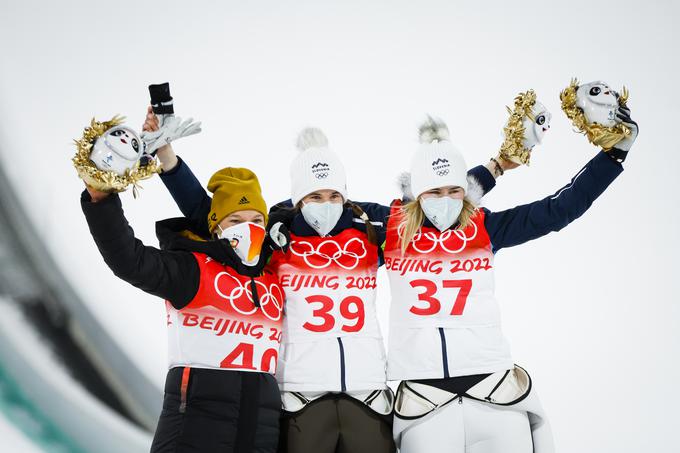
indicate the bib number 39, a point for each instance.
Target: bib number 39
{"x":432,"y":305}
{"x":351,"y":310}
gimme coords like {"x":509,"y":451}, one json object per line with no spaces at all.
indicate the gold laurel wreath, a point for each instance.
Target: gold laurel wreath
{"x":107,"y":181}
{"x":598,"y":135}
{"x":513,"y":148}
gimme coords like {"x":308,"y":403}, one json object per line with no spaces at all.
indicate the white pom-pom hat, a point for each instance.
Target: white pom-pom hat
{"x":315,"y":167}
{"x":436,"y":163}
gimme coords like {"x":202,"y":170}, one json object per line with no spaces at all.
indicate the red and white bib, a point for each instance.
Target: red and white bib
{"x":444,"y":279}
{"x":443,"y":302}
{"x":222,"y":327}
{"x":330,"y":286}
{"x":331,"y":340}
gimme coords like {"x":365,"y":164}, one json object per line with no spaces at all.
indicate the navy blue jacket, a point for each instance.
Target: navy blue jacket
{"x":505,"y":228}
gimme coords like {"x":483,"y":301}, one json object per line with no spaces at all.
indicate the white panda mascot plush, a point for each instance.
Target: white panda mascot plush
{"x":118,"y":150}
{"x":598,"y":102}
{"x":111,"y":156}
{"x":597,"y":111}
{"x":528,"y":122}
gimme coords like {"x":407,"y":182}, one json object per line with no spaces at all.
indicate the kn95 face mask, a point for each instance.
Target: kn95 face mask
{"x":322,"y":216}
{"x":443,"y":212}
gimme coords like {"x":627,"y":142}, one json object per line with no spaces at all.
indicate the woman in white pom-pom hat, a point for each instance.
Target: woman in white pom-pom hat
{"x":332,"y":367}
{"x":460,"y":390}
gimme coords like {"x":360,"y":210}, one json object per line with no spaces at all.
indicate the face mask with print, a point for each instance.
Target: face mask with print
{"x":443,"y":212}
{"x":322,"y":216}
{"x":246,"y":239}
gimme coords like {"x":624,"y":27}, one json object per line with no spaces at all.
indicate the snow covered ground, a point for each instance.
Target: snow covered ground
{"x":592,"y":311}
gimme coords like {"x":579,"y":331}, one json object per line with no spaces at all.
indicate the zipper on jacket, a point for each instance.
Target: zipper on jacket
{"x":253,"y":290}
{"x":445,"y":356}
{"x":184,"y":389}
{"x":343,"y":384}
{"x":488,"y":397}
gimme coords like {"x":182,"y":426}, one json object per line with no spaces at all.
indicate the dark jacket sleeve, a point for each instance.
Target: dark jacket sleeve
{"x":171,"y":275}
{"x":484,"y":177}
{"x":530,"y":221}
{"x":188,"y":193}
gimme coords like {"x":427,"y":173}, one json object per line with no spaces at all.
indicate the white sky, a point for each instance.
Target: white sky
{"x":591,"y":311}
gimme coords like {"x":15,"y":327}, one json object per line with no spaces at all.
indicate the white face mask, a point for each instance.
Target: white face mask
{"x":442,"y":211}
{"x":246,"y":239}
{"x":322,"y":216}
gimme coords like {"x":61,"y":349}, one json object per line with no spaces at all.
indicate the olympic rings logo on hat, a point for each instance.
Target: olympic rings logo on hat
{"x":271,"y":306}
{"x":427,"y":242}
{"x":321,"y":170}
{"x":441,"y":166}
{"x":329,"y":251}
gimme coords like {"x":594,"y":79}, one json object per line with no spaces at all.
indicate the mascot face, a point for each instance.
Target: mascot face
{"x":598,"y":102}
{"x":117,"y":150}
{"x":123,"y":141}
{"x":535,"y":129}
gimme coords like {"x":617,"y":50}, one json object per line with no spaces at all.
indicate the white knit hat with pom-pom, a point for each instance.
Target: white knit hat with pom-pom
{"x":437,"y":163}
{"x":315,"y":167}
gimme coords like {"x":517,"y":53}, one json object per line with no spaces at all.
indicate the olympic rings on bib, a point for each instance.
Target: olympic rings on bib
{"x":329,"y":251}
{"x":272,"y":307}
{"x":427,"y":242}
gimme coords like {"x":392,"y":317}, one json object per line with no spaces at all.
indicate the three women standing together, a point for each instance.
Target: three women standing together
{"x":225,"y":281}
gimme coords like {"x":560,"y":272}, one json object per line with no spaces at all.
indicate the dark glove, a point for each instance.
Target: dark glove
{"x":161,"y":101}
{"x":620,"y":151}
{"x":279,"y":237}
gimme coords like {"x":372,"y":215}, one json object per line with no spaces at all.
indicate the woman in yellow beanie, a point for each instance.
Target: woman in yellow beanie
{"x":224,"y":314}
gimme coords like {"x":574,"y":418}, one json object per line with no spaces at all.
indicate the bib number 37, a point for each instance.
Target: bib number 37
{"x":432,"y":305}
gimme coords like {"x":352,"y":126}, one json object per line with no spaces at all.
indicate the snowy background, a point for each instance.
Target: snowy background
{"x":591,"y":311}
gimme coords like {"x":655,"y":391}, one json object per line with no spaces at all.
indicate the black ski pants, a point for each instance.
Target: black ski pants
{"x":218,"y":411}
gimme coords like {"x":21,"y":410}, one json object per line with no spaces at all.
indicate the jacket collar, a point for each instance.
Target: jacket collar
{"x":182,"y":234}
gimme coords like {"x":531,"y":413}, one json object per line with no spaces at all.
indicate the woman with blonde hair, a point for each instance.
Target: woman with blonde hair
{"x":460,"y":390}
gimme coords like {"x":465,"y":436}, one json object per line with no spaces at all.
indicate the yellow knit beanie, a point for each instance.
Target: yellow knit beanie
{"x":234,"y":189}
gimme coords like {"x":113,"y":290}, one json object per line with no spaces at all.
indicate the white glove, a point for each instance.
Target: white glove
{"x":171,"y":128}
{"x":278,"y":235}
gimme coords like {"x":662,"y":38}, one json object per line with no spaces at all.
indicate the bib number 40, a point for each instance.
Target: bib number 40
{"x":432,"y":305}
{"x":243,"y":358}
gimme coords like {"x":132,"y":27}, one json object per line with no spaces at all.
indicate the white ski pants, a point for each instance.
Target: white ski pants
{"x":466,"y":426}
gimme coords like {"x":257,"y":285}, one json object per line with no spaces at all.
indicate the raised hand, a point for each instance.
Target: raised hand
{"x":620,"y":150}
{"x":168,"y":129}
